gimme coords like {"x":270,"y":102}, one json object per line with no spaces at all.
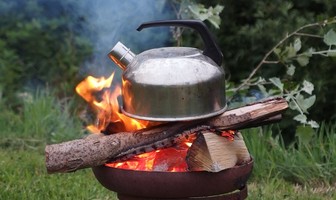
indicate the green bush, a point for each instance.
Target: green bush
{"x":248,"y":30}
{"x":41,"y":44}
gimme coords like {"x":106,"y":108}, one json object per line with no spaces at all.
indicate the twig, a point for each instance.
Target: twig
{"x":264,"y":60}
{"x":271,"y":62}
{"x":308,"y":35}
{"x":321,"y":53}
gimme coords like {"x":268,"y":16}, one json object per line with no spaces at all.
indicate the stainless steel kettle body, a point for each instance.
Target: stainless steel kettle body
{"x":172,"y":83}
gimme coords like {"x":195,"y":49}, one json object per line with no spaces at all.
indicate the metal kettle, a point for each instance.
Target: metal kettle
{"x":172,"y":83}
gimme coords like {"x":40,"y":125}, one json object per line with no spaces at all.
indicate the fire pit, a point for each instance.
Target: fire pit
{"x":196,"y":153}
{"x":212,"y":177}
{"x":131,"y":184}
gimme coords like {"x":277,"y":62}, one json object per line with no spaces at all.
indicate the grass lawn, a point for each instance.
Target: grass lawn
{"x":23,"y":176}
{"x":277,"y":188}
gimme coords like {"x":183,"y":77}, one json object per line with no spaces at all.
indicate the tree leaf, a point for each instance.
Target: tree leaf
{"x":214,"y":17}
{"x":297,"y":44}
{"x":277,"y":51}
{"x":330,"y":37}
{"x":214,"y":20}
{"x":313,"y":124}
{"x":308,"y":102}
{"x":199,"y":11}
{"x":308,"y":87}
{"x":300,"y":101}
{"x":303,"y":60}
{"x":301,"y":118}
{"x":291,"y":70}
{"x":277,"y":82}
{"x":293,"y":106}
{"x":263,"y":90}
{"x":211,"y":14}
{"x":290,"y":52}
{"x":305,"y":103}
{"x":218,"y":9}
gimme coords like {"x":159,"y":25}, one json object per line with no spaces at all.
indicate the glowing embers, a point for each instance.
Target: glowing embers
{"x":170,"y":159}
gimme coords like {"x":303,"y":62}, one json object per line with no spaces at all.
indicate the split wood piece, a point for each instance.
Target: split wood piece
{"x":250,"y":115}
{"x":214,"y":153}
{"x":83,"y":153}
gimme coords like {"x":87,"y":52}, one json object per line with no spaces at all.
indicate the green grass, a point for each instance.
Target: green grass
{"x":305,"y":161}
{"x":277,"y":188}
{"x":23,"y":176}
{"x":23,"y":136}
{"x":304,"y":169}
{"x":40,"y":117}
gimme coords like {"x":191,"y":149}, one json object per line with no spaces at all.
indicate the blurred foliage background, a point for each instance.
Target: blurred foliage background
{"x":41,"y":46}
{"x":249,"y":30}
{"x":44,"y":44}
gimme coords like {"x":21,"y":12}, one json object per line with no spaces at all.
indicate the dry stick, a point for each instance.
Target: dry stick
{"x":83,"y":153}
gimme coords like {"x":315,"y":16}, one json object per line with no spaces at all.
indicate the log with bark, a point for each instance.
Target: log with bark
{"x":83,"y":153}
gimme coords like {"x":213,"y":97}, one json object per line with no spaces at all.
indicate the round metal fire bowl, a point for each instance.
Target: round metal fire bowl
{"x":173,"y":184}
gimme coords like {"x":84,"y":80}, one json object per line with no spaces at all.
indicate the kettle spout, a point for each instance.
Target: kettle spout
{"x":121,"y":55}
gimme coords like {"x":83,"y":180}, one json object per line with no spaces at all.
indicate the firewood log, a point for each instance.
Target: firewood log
{"x":214,"y":153}
{"x":83,"y":153}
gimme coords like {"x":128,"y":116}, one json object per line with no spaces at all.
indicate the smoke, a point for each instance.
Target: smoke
{"x":41,"y":38}
{"x":111,"y":21}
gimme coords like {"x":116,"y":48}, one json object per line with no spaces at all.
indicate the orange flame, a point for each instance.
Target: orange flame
{"x":106,"y":107}
{"x":97,"y":92}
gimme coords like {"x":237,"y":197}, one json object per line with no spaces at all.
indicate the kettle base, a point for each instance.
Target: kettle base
{"x":173,"y":119}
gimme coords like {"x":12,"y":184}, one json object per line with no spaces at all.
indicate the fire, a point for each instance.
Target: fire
{"x":169,"y":159}
{"x":97,"y":92}
{"x":229,"y":134}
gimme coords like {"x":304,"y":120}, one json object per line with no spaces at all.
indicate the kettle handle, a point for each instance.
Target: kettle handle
{"x":211,"y":49}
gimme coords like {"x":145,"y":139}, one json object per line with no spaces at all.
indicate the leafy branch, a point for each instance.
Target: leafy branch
{"x":188,"y":9}
{"x":301,"y":97}
{"x":268,"y":54}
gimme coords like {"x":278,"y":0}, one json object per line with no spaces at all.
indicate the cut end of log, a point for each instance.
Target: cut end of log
{"x":214,"y":153}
